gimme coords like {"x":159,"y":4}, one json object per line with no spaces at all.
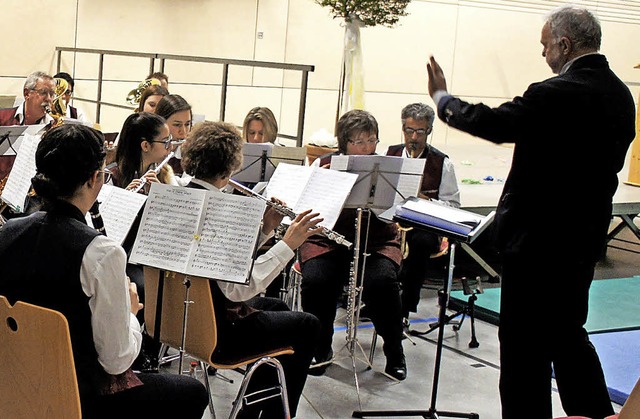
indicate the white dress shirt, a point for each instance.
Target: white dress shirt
{"x":116,"y":331}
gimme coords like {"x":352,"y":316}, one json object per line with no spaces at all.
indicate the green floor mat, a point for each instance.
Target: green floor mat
{"x":614,"y":304}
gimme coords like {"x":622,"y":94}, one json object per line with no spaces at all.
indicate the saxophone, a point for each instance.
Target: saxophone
{"x":58,"y":109}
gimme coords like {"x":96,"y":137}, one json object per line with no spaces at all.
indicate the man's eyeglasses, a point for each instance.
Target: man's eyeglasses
{"x":107,"y":175}
{"x":166,"y":141}
{"x":410,"y":131}
{"x":69,"y":92}
{"x":43,"y":92}
{"x":369,"y":142}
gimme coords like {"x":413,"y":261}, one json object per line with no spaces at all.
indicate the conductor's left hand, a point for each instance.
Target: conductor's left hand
{"x":437,"y":80}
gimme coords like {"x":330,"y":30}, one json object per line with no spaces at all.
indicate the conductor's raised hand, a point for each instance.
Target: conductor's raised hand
{"x":437,"y":80}
{"x":304,"y":226}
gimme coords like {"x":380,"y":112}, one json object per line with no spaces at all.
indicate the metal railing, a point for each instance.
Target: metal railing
{"x":225,"y":62}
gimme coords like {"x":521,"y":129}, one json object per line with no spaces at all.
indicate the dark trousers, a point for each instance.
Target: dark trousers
{"x":323,"y":279}
{"x":161,"y":393}
{"x":543,"y":310}
{"x":274,"y":327}
{"x":422,"y":244}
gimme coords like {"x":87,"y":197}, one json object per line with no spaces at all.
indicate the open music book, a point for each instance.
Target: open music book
{"x":261,"y":159}
{"x":199,"y":232}
{"x":119,"y":209}
{"x":310,"y":187}
{"x":445,"y":220}
{"x":24,"y":168}
{"x":382,"y":180}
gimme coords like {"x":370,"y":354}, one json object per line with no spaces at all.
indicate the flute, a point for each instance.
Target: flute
{"x":143,"y":180}
{"x":288,"y":212}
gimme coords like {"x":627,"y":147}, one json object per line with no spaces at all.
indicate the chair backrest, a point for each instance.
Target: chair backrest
{"x":201,"y":338}
{"x":37,"y":369}
{"x":631,"y":408}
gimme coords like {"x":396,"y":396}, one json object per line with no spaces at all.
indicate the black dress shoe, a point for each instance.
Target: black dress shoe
{"x":317,"y":370}
{"x":397,"y":368}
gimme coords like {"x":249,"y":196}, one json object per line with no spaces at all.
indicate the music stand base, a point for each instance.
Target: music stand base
{"x":427,"y":414}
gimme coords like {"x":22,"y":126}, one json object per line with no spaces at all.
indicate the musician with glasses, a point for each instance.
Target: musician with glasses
{"x":144,"y":142}
{"x":325,"y":264}
{"x":72,"y":111}
{"x":177,"y":112}
{"x":438,"y":183}
{"x":53,"y":259}
{"x":246,"y":323}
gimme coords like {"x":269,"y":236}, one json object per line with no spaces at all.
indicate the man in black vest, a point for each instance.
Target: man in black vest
{"x":54,"y":259}
{"x":576,"y":127}
{"x":438,"y":183}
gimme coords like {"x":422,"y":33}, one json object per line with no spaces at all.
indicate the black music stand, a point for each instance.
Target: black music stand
{"x":455,"y":236}
{"x":381,"y":181}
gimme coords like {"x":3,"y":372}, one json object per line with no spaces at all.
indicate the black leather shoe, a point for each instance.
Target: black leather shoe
{"x":317,"y":370}
{"x":397,"y":368}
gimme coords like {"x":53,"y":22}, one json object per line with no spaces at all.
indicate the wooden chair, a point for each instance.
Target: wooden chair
{"x":201,"y":339}
{"x":37,"y":369}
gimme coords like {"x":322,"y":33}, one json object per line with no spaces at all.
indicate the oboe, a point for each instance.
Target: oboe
{"x":288,"y":212}
{"x":143,"y":180}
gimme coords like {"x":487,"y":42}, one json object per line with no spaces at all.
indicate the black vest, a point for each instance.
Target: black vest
{"x":40,"y":259}
{"x":432,"y":175}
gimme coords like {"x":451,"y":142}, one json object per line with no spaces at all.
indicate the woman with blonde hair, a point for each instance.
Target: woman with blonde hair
{"x":260,"y":126}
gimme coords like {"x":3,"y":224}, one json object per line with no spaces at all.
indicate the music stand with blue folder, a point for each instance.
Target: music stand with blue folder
{"x":458,"y":226}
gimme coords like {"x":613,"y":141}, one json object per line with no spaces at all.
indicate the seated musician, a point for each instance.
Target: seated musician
{"x":325,"y":265}
{"x":82,"y":275}
{"x":439,"y":183}
{"x":144,"y":142}
{"x":149,"y":98}
{"x":260,"y":126}
{"x":72,"y":111}
{"x":177,"y":112}
{"x":246,"y":323}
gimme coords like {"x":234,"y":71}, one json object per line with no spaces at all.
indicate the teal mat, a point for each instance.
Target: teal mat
{"x":614,"y":304}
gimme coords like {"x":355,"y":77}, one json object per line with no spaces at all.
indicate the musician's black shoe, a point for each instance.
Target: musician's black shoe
{"x":397,"y":368}
{"x":316,"y":370}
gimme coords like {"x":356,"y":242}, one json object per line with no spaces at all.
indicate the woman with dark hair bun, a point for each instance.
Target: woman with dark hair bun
{"x":81,"y":273}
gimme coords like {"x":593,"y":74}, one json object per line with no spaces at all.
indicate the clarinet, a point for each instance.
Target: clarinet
{"x":143,"y":180}
{"x":96,"y":218}
{"x":288,"y":212}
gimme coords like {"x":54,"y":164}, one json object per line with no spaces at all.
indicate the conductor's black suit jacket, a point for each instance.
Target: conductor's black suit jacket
{"x":571,"y":135}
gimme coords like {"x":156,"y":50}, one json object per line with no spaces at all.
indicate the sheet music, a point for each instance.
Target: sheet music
{"x":24,"y":168}
{"x":306,"y":187}
{"x":252,"y":163}
{"x":229,"y":232}
{"x":290,"y":155}
{"x":119,"y":208}
{"x":168,"y":228}
{"x":382,"y":180}
{"x":199,"y":232}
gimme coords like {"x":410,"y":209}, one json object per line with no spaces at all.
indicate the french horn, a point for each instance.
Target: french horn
{"x":133,"y":98}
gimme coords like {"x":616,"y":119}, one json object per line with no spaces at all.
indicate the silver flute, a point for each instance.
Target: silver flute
{"x":143,"y":180}
{"x":288,"y":212}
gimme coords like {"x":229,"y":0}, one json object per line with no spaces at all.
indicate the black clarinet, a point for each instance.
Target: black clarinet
{"x":96,"y":218}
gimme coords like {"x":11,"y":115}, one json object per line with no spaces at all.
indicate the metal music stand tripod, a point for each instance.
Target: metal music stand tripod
{"x":443,"y":297}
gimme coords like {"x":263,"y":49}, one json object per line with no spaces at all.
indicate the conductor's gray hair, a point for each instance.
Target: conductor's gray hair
{"x":578,"y":24}
{"x":32,"y":79}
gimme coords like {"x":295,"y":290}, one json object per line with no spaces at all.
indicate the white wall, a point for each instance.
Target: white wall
{"x":489,"y":50}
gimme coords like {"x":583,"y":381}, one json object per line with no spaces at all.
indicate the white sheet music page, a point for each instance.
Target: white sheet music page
{"x":227,"y":237}
{"x":119,"y":208}
{"x":410,"y":180}
{"x":169,"y":227}
{"x":305,"y":187}
{"x":24,"y":168}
